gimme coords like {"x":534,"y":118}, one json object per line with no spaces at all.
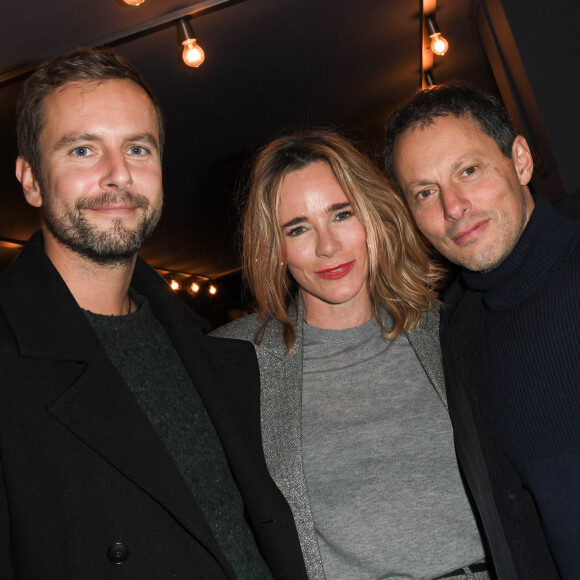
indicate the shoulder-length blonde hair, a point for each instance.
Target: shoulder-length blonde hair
{"x":402,"y":278}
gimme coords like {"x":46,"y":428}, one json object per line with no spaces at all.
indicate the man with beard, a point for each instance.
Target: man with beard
{"x":129,"y":440}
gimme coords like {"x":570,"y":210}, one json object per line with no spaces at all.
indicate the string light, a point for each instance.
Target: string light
{"x":188,"y":281}
{"x":171,"y":276}
{"x":439,"y":44}
{"x":193,"y":55}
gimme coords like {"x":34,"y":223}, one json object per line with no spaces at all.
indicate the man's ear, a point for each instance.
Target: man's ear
{"x":30,"y":185}
{"x":522,"y":158}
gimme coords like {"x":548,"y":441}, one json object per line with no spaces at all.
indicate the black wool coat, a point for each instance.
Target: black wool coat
{"x":87,"y":488}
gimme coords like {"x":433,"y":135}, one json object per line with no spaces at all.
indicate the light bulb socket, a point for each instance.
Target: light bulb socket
{"x":431,"y":25}
{"x":429,"y":78}
{"x":184,"y":30}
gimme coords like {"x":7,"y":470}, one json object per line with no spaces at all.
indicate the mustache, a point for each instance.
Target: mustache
{"x":112,"y":198}
{"x":467,"y":222}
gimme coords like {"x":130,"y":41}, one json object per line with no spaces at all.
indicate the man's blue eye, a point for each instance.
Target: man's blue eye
{"x":138,"y":150}
{"x":81,"y":151}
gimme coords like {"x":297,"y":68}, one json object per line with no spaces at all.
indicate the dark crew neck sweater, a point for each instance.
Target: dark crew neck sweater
{"x":143,"y":354}
{"x":532,"y":333}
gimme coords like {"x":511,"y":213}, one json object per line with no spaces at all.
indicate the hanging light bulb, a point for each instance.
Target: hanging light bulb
{"x":193,"y":54}
{"x":175,"y":285}
{"x":194,"y":287}
{"x":134,"y":2}
{"x":439,"y":44}
{"x":212,"y":289}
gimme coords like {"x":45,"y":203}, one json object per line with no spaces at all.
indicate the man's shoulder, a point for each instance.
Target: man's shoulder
{"x":7,"y":339}
{"x":576,"y":238}
{"x":460,"y":305}
{"x":565,"y":229}
{"x":452,"y":295}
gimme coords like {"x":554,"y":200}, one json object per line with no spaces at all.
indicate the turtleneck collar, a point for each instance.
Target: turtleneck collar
{"x":537,"y":253}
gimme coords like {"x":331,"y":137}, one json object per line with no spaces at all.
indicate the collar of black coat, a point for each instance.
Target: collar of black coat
{"x":46,"y":320}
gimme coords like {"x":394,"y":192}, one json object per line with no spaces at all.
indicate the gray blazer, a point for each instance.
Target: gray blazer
{"x":281,"y":410}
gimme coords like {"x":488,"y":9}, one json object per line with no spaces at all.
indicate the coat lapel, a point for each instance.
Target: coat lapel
{"x":93,"y":402}
{"x":102,"y":412}
{"x":211,"y":362}
{"x":424,"y":339}
{"x":281,"y":419}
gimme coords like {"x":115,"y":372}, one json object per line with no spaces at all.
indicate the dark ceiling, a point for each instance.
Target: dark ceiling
{"x":270,"y":65}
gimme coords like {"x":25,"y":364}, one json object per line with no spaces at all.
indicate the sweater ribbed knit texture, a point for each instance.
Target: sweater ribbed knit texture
{"x":532,"y":333}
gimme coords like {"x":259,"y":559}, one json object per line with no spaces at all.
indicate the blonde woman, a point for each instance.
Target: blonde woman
{"x":353,"y":409}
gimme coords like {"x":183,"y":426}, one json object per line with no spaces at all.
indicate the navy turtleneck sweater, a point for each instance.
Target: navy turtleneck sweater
{"x":532,"y":333}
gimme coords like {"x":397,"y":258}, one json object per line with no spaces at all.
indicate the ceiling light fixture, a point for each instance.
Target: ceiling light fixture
{"x":439,"y":44}
{"x":134,"y":2}
{"x":193,"y":54}
{"x":138,"y":30}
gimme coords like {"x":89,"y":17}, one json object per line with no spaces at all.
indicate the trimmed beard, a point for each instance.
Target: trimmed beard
{"x":117,"y":244}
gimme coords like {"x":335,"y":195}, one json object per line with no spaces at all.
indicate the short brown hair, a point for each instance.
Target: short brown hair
{"x":402,"y":278}
{"x":81,"y":64}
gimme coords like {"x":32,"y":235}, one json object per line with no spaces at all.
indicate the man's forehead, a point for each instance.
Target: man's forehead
{"x":447,"y":120}
{"x":102,"y":102}
{"x":73,"y":113}
{"x":88,"y":86}
{"x":458,"y":133}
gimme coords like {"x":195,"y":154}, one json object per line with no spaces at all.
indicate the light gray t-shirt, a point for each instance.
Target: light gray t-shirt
{"x":387,"y":497}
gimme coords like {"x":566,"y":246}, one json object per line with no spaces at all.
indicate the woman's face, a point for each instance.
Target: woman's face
{"x":325,"y":248}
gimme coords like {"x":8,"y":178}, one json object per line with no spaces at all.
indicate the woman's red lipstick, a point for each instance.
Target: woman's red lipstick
{"x":336,"y":272}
